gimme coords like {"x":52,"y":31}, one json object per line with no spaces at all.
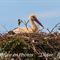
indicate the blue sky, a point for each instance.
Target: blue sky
{"x":47,"y":11}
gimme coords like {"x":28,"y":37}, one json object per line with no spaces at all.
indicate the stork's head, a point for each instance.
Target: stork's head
{"x":33,"y":18}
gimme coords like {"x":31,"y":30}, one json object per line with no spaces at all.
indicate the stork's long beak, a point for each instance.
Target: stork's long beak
{"x":37,"y":21}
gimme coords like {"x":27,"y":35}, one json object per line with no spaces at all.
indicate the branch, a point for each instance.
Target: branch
{"x":54,"y":27}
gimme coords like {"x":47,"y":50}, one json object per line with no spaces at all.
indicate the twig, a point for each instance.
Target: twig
{"x":54,"y":27}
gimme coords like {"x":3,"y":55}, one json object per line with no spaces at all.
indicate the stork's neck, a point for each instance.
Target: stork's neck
{"x":33,"y":25}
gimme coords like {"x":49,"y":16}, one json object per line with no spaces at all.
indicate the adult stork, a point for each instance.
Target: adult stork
{"x":33,"y":28}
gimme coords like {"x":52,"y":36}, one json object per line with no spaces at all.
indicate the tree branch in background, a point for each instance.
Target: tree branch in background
{"x":54,"y":27}
{"x":25,"y":23}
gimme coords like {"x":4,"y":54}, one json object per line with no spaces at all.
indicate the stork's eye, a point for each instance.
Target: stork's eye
{"x":33,"y":16}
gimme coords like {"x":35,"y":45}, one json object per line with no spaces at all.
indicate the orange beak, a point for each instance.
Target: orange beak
{"x":37,"y":21}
